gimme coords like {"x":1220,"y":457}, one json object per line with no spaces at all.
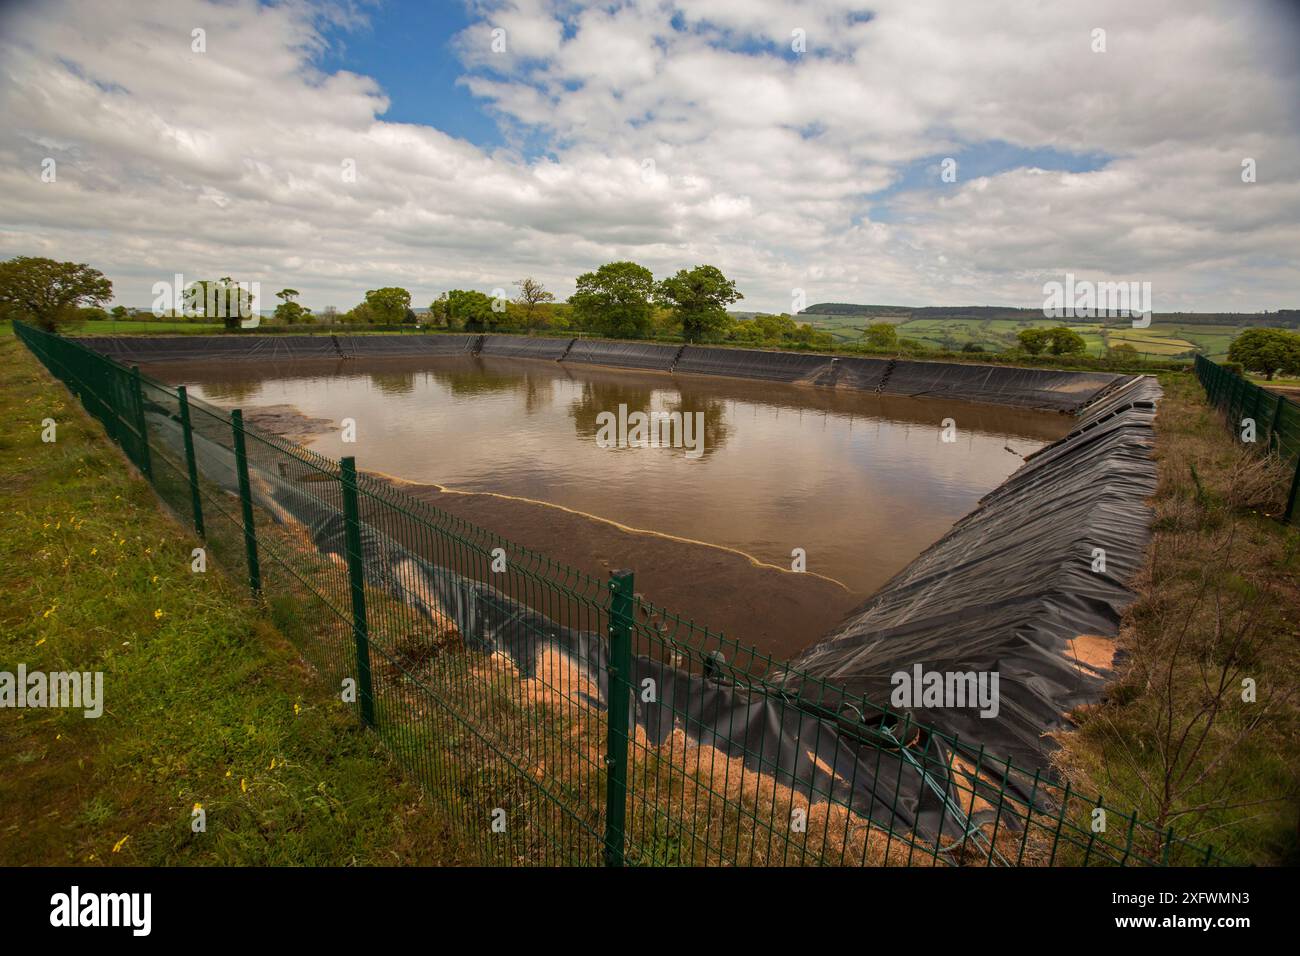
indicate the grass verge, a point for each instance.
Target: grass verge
{"x":1201,"y":727}
{"x":206,"y":705}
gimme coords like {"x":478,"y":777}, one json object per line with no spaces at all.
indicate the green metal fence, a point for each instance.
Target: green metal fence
{"x":1274,"y":419}
{"x":559,"y":719}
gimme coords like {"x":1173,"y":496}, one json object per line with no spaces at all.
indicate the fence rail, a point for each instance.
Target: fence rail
{"x":1274,"y":419}
{"x":559,"y":719}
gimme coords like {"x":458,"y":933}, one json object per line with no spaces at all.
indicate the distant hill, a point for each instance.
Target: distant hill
{"x":1283,"y":318}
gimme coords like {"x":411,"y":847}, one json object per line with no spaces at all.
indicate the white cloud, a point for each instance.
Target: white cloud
{"x":229,"y":162}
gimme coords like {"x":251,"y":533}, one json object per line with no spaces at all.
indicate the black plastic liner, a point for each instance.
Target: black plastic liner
{"x":403,"y":345}
{"x":141,"y":349}
{"x":1062,"y":391}
{"x":511,"y":346}
{"x":751,"y":363}
{"x":1011,"y":585}
{"x":643,"y":355}
{"x":1003,"y":384}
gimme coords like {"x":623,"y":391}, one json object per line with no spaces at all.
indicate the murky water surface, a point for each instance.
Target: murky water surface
{"x":862,"y":483}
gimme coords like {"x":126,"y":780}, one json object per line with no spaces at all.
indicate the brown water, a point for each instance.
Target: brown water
{"x":861,"y":482}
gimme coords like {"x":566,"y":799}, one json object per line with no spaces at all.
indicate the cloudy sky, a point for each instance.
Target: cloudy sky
{"x":796,"y":146}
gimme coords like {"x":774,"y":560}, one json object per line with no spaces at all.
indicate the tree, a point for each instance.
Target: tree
{"x":1033,"y":340}
{"x":222,"y":298}
{"x":881,"y":335}
{"x":532,"y":294}
{"x":615,"y":300}
{"x":288,"y":311}
{"x":1267,"y":351}
{"x":469,"y":310}
{"x":1065,"y":341}
{"x":119,"y":312}
{"x":359,"y":314}
{"x":47,"y":293}
{"x":698,"y":299}
{"x":388,"y":306}
{"x":438,"y":316}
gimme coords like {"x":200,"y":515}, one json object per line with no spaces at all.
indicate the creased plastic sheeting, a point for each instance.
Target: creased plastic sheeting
{"x":812,"y":755}
{"x":518,"y":346}
{"x":1063,"y":391}
{"x":751,"y":363}
{"x":141,"y":349}
{"x":1011,"y":585}
{"x":643,"y":355}
{"x":1002,"y":384}
{"x":404,"y":345}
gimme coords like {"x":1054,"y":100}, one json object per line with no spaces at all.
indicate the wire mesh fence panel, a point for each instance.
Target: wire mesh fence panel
{"x":562,"y":720}
{"x":1263,"y":417}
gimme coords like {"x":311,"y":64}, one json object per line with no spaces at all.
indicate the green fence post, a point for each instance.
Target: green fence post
{"x":1255,"y":409}
{"x":357,"y":579}
{"x":246,"y":502}
{"x":137,"y":397}
{"x":183,"y":399}
{"x":1273,"y":441}
{"x":620,"y":690}
{"x":1291,"y":498}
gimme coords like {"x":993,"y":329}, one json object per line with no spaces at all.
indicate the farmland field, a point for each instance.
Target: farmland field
{"x":1162,"y":339}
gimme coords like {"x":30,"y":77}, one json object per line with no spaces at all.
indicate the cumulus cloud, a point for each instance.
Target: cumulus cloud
{"x":674,"y":133}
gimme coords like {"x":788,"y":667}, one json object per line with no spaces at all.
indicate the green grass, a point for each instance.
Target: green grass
{"x":133,"y":326}
{"x":1160,"y":340}
{"x":205,"y":703}
{"x":1216,"y":601}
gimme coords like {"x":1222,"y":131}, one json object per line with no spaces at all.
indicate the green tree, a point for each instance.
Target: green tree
{"x":698,"y":299}
{"x":615,"y":300}
{"x":1033,"y":340}
{"x":388,"y":306}
{"x":222,"y":298}
{"x":881,"y":335}
{"x":532,"y":294}
{"x":438,"y":316}
{"x":47,"y":293}
{"x":119,"y":312}
{"x":470,"y":310}
{"x":288,"y":311}
{"x":1065,"y":341}
{"x":1267,"y":351}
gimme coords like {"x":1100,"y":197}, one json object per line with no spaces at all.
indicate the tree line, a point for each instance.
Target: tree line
{"x":618,"y":300}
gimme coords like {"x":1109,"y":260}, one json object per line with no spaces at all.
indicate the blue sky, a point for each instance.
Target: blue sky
{"x":407,"y":48}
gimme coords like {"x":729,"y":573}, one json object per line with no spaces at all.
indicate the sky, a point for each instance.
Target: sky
{"x":340,"y":145}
